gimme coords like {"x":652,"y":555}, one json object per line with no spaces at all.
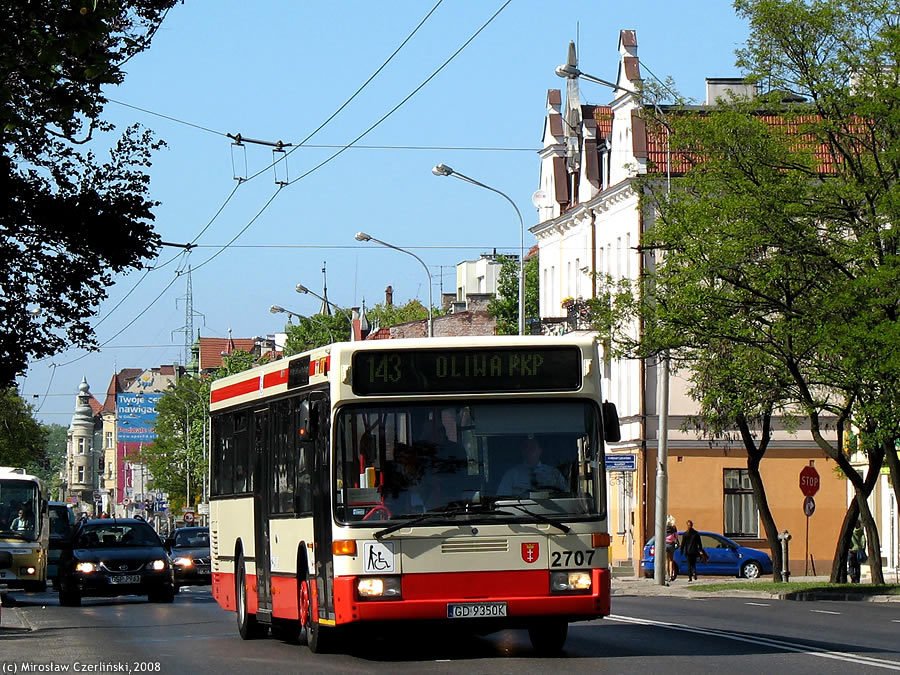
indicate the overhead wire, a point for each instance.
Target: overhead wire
{"x":241,"y":182}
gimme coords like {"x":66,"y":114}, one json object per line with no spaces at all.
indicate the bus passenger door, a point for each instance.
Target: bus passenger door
{"x":322,"y":517}
{"x":260,"y":463}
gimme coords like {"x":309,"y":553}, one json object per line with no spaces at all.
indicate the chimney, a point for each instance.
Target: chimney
{"x":389,"y":296}
{"x":728,"y":88}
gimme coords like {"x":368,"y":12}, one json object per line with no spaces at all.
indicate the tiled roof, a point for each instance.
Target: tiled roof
{"x":603,"y":116}
{"x":211,"y":349}
{"x":657,"y":146}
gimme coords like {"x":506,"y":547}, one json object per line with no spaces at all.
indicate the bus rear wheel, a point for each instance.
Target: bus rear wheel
{"x":548,"y":636}
{"x":248,"y":627}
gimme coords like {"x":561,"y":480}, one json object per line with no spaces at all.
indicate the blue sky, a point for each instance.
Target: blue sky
{"x":276,"y":71}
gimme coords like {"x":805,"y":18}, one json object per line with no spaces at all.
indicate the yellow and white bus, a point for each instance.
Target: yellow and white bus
{"x":443,"y":479}
{"x":24,"y":529}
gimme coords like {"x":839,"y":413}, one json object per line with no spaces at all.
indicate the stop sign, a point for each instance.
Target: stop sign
{"x":809,"y":481}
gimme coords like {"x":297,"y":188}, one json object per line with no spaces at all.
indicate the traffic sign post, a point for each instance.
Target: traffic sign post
{"x":809,"y":481}
{"x":809,"y":485}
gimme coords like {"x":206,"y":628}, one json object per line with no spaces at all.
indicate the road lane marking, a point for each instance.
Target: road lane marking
{"x":849,"y":657}
{"x":823,"y":611}
{"x":758,"y":604}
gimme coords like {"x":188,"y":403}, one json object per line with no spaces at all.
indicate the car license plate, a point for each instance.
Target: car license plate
{"x":475,"y":610}
{"x":126,"y":579}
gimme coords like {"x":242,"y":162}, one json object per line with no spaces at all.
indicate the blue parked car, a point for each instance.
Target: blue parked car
{"x":725,"y":558}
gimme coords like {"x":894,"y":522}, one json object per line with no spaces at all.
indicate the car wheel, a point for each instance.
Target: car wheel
{"x":248,"y":627}
{"x":69,"y":598}
{"x":548,"y":637}
{"x":751,"y":570}
{"x":165,"y":595}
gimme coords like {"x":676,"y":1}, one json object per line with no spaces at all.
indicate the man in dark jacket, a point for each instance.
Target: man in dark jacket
{"x":692,"y":548}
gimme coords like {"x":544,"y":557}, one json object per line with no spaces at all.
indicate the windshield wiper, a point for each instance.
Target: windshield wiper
{"x":462,"y":509}
{"x":538,"y":516}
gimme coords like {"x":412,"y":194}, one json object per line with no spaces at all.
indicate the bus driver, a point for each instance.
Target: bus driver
{"x":531,"y":475}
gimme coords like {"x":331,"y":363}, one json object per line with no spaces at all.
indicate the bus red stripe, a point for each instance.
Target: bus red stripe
{"x":236,"y":389}
{"x":275,"y":378}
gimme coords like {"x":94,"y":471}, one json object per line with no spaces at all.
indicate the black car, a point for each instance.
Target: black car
{"x":189,"y":550}
{"x":115,"y":556}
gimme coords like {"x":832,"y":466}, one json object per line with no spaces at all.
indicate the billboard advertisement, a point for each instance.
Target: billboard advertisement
{"x":136,"y":417}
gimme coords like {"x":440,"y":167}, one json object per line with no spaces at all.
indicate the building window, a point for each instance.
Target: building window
{"x":109,"y":439}
{"x":741,"y":515}
{"x":80,"y":475}
{"x":81,"y":446}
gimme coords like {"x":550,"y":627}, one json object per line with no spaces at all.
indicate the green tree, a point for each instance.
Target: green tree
{"x":504,"y":307}
{"x":70,"y":222}
{"x":177,"y":457}
{"x":777,"y":246}
{"x":53,"y":461}
{"x":22,"y":439}
{"x":315,"y":331}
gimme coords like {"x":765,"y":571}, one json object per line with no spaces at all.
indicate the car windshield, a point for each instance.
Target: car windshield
{"x":60,"y":522}
{"x":394,"y":463}
{"x":192,"y":539}
{"x":121,"y":535}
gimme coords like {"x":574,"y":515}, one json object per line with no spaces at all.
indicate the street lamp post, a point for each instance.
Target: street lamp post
{"x":444,"y":170}
{"x":300,"y":288}
{"x":362,"y":236}
{"x":570,"y":70}
{"x":275,"y":309}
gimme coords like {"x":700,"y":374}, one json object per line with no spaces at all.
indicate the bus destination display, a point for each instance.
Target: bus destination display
{"x":463,"y":371}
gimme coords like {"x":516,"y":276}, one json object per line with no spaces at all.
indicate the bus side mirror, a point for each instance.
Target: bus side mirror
{"x":5,"y":560}
{"x":611,"y":431}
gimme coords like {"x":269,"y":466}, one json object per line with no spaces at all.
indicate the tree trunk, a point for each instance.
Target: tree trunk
{"x":754,"y":457}
{"x":839,"y":563}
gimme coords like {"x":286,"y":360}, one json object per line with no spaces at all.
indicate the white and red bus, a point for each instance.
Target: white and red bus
{"x":443,"y":479}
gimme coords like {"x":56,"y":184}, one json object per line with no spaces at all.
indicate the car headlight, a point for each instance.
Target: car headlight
{"x":157,"y":565}
{"x":567,"y":582}
{"x":85,"y":567}
{"x":181,"y":561}
{"x":378,"y":588}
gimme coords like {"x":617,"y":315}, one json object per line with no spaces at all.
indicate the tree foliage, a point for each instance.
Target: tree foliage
{"x":777,"y":251}
{"x":22,"y":439}
{"x":68,"y":221}
{"x":177,"y":457}
{"x":504,"y":307}
{"x":315,"y":331}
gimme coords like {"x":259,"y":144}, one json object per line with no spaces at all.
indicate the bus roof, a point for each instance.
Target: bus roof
{"x":314,"y":366}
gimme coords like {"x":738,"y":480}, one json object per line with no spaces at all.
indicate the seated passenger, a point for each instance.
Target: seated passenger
{"x":531,"y":475}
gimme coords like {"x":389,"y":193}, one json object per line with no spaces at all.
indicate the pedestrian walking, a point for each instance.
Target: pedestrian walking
{"x":857,"y":555}
{"x":692,"y":547}
{"x":671,"y":547}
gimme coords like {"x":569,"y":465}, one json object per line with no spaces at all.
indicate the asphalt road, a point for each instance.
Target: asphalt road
{"x":672,"y":634}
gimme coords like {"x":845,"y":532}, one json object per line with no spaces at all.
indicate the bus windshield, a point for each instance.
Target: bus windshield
{"x":396,"y":462}
{"x":17,"y":509}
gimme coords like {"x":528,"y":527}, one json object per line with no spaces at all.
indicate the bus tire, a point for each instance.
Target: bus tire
{"x":248,"y":627}
{"x":319,"y":639}
{"x":548,"y":636}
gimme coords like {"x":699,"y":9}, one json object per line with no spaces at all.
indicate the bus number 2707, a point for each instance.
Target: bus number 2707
{"x":569,"y":558}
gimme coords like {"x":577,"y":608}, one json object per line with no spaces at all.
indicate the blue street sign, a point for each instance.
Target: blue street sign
{"x":620,"y":462}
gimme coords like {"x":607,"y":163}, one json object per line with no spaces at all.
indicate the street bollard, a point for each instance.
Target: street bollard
{"x":784,"y":538}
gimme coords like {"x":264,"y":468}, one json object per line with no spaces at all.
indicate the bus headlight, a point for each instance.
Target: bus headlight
{"x":27,"y":571}
{"x":378,"y":588}
{"x":567,"y":582}
{"x":85,"y":567}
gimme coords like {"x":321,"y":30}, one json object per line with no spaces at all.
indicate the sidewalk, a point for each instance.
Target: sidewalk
{"x":11,"y":618}
{"x":682,"y":588}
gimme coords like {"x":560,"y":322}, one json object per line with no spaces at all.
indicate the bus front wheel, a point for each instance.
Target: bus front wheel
{"x":248,"y":627}
{"x":548,"y":636}
{"x":318,"y":639}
